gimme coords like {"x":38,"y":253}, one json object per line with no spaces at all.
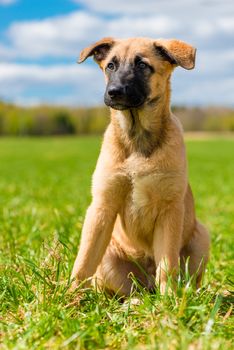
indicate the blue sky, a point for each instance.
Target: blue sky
{"x":41,"y":40}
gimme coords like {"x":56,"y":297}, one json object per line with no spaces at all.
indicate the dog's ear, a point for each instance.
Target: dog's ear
{"x":176,"y":52}
{"x":99,"y":50}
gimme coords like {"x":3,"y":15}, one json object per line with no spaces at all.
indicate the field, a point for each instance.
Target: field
{"x":44,"y":192}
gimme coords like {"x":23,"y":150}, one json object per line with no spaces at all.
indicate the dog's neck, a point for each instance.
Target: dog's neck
{"x":143,"y":129}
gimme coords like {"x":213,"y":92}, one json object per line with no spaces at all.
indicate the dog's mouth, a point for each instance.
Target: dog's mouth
{"x":120,"y":106}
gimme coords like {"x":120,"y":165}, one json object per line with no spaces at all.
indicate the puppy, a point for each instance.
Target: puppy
{"x":141,"y":220}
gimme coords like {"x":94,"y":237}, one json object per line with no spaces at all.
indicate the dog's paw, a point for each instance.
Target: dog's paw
{"x":167,"y":289}
{"x":135,"y":301}
{"x":73,"y":287}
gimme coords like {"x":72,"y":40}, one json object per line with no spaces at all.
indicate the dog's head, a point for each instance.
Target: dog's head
{"x":137,"y":70}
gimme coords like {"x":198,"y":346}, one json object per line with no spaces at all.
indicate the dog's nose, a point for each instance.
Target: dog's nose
{"x":117,"y":91}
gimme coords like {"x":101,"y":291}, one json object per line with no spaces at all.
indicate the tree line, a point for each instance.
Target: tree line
{"x":51,"y":120}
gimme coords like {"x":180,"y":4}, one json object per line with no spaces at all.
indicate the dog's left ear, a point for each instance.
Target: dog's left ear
{"x":176,"y":52}
{"x":99,"y":50}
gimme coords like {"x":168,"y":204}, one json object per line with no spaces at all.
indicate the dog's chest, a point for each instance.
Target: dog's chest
{"x":141,"y":210}
{"x":143,"y":192}
{"x":145,"y":188}
{"x":150,"y":192}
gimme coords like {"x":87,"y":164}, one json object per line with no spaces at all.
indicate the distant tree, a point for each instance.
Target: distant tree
{"x":62,"y":123}
{"x":51,"y":120}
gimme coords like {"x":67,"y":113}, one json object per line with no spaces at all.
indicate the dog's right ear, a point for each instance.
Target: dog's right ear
{"x":99,"y":50}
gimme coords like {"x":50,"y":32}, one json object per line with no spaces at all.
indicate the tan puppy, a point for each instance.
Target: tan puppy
{"x":141,"y":219}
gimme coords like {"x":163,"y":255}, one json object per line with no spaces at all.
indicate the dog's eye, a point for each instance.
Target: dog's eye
{"x":111,"y":66}
{"x":142,"y":65}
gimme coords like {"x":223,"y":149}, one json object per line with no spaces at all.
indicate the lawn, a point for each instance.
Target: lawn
{"x":44,"y":192}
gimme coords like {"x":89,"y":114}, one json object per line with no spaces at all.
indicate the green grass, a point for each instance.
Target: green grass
{"x":44,"y":192}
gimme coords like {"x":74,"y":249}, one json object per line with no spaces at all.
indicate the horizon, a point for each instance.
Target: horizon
{"x":102,"y":105}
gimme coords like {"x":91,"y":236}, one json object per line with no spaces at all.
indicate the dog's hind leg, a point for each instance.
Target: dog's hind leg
{"x":115,"y":272}
{"x":197,"y":252}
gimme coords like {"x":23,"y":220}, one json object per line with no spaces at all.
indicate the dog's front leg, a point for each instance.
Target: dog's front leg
{"x":167,"y":243}
{"x":96,"y":235}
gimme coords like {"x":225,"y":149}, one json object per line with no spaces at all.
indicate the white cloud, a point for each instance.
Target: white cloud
{"x":136,"y":6}
{"x":66,"y":35}
{"x":56,"y":36}
{"x":153,"y":26}
{"x":226,"y":24}
{"x":85,"y":84}
{"x":216,"y":91}
{"x":179,"y":8}
{"x":7,"y":2}
{"x":37,"y":74}
{"x":215,"y":62}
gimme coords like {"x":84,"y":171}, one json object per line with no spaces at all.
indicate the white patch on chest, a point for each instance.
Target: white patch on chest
{"x":123,"y":120}
{"x":144,"y":195}
{"x":143,"y":210}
